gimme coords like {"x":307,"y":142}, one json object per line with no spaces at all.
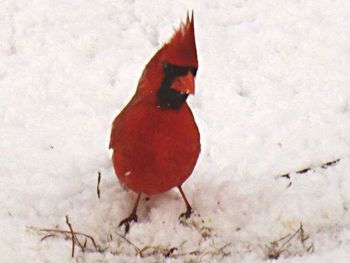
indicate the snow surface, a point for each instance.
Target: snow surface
{"x":272,"y":97}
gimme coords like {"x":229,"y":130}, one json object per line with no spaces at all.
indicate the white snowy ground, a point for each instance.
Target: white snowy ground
{"x":272,"y":96}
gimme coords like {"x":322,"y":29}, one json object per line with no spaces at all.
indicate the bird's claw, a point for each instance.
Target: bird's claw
{"x":126,"y":222}
{"x":185,"y":215}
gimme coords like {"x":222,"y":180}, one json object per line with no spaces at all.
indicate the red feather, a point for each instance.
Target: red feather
{"x":156,"y":148}
{"x":181,"y":49}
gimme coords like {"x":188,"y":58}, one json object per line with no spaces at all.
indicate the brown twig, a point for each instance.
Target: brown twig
{"x":275,"y":250}
{"x":98,"y":184}
{"x":304,"y":238}
{"x":73,"y":236}
{"x":138,"y":251}
{"x":85,"y":243}
{"x":216,"y":252}
{"x":282,"y":238}
{"x":81,"y":239}
{"x":66,"y":233}
{"x":47,"y":236}
{"x":289,"y":239}
{"x":79,"y":243}
{"x":172,"y":252}
{"x":223,"y":247}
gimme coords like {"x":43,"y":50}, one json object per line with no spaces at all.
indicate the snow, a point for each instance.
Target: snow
{"x":272,"y":97}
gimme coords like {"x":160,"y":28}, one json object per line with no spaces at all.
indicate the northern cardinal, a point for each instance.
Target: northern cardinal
{"x":155,"y":139}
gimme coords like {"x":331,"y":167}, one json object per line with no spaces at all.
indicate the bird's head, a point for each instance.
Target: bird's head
{"x":175,"y":65}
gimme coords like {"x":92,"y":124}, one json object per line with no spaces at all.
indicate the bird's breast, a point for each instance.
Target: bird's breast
{"x":155,"y":149}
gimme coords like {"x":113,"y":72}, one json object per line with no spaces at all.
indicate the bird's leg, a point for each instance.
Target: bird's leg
{"x":132,"y":217}
{"x":189,"y":210}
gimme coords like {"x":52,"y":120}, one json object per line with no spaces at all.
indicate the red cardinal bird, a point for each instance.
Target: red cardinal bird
{"x":155,"y":139}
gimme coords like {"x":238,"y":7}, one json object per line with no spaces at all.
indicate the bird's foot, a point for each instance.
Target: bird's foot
{"x":126,"y":222}
{"x":186,"y":215}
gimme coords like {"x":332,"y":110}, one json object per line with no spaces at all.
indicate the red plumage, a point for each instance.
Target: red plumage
{"x":155,"y":139}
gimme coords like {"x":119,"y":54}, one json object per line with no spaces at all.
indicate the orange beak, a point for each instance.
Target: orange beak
{"x":184,"y":84}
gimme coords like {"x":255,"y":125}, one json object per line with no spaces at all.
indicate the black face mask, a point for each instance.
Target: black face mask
{"x":168,"y":98}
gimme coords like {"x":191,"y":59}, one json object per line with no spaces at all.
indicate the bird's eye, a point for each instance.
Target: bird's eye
{"x":165,"y":65}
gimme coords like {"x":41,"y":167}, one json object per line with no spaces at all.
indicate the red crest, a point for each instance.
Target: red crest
{"x":181,"y":49}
